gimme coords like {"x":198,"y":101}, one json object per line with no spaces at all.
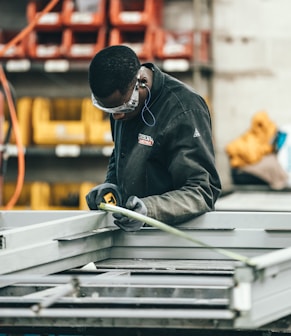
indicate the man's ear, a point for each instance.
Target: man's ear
{"x":143,"y":85}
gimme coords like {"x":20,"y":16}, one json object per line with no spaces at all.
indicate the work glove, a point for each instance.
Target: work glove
{"x":103,"y":193}
{"x":129,"y":224}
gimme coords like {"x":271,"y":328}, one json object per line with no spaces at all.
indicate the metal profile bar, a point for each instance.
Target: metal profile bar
{"x":174,"y":253}
{"x":99,"y":301}
{"x":230,"y":239}
{"x":269,"y":290}
{"x":69,"y":314}
{"x":270,"y":301}
{"x":240,"y":219}
{"x":148,"y":280}
{"x":13,"y":219}
{"x":50,"y":251}
{"x":273,"y":258}
{"x":61,"y":265}
{"x":169,"y":266}
{"x":55,"y":229}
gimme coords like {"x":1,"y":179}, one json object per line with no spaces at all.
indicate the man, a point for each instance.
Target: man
{"x":163,"y":162}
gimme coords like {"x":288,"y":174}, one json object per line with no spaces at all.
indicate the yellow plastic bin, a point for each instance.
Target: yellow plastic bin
{"x":97,"y":124}
{"x":23,"y":202}
{"x":60,"y":196}
{"x":55,"y":196}
{"x":23,"y":112}
{"x":58,"y":121}
{"x":85,"y":187}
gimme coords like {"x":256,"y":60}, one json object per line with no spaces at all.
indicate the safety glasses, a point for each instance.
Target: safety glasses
{"x":124,"y":108}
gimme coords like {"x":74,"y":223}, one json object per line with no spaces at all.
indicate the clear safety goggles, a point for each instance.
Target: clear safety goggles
{"x":127,"y":107}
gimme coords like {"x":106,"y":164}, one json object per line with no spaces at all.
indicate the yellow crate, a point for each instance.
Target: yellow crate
{"x":97,"y":123}
{"x":85,"y":187}
{"x":23,"y":202}
{"x":59,"y":196}
{"x":48,"y":196}
{"x":58,"y":121}
{"x":23,"y":112}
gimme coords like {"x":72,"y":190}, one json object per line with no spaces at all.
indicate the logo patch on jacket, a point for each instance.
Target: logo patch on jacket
{"x":146,"y":140}
{"x":196,"y":133}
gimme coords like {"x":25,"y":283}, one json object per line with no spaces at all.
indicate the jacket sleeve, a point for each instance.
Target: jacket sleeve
{"x":191,"y":164}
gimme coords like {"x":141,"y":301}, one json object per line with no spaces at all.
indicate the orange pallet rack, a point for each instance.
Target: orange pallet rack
{"x":43,"y":45}
{"x":49,"y":21}
{"x":140,"y":40}
{"x":131,"y":14}
{"x":83,"y":44}
{"x":17,"y":51}
{"x":172,"y":44}
{"x":85,"y":15}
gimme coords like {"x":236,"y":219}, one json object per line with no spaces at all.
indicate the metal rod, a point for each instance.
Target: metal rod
{"x":60,"y":291}
{"x":272,"y":258}
{"x":120,"y":313}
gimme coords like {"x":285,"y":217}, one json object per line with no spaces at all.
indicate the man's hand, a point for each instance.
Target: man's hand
{"x":103,"y":193}
{"x":128,"y":224}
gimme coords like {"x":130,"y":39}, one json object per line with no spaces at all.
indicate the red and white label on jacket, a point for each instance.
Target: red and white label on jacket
{"x":146,"y":140}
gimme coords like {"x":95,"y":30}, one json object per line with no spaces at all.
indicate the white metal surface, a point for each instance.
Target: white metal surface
{"x":145,"y":279}
{"x":43,"y":242}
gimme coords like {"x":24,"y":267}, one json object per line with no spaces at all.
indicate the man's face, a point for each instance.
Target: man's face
{"x":122,"y":107}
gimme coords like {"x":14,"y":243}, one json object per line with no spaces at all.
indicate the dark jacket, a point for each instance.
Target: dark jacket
{"x":171,"y":165}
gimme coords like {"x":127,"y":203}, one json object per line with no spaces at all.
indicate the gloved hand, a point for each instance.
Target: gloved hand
{"x":129,"y":224}
{"x":106,"y":193}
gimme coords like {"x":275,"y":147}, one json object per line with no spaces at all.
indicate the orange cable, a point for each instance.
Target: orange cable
{"x":21,"y":161}
{"x":28,"y":28}
{"x":1,"y":143}
{"x":12,"y":110}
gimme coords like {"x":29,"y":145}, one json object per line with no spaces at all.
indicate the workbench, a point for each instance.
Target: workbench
{"x":75,"y":272}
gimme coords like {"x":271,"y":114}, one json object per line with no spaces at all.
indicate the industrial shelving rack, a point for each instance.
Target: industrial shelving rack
{"x":68,"y":78}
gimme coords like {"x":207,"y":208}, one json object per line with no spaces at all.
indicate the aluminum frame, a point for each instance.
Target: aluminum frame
{"x":145,"y":279}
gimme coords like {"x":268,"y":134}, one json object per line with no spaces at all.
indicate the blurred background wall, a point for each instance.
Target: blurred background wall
{"x":252,"y":67}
